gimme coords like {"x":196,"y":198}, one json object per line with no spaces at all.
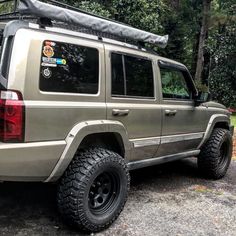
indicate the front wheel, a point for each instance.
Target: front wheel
{"x":215,"y":156}
{"x":94,"y":189}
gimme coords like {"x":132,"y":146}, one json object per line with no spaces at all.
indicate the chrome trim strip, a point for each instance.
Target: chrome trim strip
{"x":159,"y":160}
{"x":137,"y":143}
{"x":146,"y":142}
{"x":181,"y":137}
{"x":4,"y":146}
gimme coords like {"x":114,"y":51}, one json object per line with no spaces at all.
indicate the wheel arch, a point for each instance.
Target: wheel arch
{"x":216,"y":121}
{"x":82,"y":135}
{"x":108,"y":140}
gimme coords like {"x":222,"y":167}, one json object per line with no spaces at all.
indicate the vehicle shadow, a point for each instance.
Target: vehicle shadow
{"x":30,"y":208}
{"x":172,"y":176}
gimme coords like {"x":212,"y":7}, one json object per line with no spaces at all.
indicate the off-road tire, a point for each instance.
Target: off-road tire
{"x":77,"y":186}
{"x":215,"y":156}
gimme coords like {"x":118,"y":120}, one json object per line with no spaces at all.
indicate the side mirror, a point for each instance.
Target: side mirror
{"x":202,"y":97}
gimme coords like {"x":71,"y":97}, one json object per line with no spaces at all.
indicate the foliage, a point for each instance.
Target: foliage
{"x":233,"y":120}
{"x":222,"y":45}
{"x":6,"y":7}
{"x":182,"y":20}
{"x":90,"y":6}
{"x":173,"y":84}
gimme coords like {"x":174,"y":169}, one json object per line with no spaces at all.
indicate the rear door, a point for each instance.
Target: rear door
{"x":131,"y":98}
{"x":183,"y":123}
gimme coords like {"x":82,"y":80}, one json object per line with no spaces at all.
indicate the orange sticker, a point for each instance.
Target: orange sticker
{"x":48,"y":51}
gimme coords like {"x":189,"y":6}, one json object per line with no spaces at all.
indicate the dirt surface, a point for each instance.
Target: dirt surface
{"x":170,"y":199}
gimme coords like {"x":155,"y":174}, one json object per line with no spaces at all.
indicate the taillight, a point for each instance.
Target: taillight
{"x":12,"y":111}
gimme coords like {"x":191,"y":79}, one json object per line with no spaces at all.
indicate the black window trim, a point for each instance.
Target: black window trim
{"x":187,"y":76}
{"x":124,"y":71}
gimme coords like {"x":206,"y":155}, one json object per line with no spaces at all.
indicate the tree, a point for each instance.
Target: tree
{"x":202,"y":34}
{"x":222,"y":45}
{"x":202,"y":38}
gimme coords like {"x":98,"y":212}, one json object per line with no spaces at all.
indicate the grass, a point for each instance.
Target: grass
{"x":233,"y":120}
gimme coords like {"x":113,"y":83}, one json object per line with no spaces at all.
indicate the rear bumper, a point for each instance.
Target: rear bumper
{"x":231,"y":129}
{"x":29,"y":161}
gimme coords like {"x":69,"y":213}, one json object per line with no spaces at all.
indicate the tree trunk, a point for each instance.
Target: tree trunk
{"x":202,"y":38}
{"x":195,"y":47}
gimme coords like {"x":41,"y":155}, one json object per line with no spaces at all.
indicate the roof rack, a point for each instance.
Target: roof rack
{"x":52,"y":11}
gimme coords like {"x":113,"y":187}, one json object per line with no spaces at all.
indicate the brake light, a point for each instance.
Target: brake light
{"x":12,"y":111}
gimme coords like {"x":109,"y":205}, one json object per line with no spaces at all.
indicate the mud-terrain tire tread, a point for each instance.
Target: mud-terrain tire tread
{"x":73,"y":184}
{"x":208,"y":158}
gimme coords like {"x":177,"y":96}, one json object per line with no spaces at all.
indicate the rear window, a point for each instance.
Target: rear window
{"x":69,"y":68}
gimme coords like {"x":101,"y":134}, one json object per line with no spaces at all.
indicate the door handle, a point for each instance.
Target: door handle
{"x":170,"y":112}
{"x":118,"y":112}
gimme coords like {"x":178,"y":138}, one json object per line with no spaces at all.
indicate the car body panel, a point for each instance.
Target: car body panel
{"x":29,"y":161}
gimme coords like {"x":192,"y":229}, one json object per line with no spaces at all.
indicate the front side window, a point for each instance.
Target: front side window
{"x":69,"y":68}
{"x":174,"y":85}
{"x":132,"y":76}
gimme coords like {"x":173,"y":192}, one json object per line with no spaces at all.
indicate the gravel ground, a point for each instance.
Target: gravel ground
{"x":170,"y":199}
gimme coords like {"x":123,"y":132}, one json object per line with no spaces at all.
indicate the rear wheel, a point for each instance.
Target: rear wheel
{"x":94,"y":189}
{"x":215,"y":156}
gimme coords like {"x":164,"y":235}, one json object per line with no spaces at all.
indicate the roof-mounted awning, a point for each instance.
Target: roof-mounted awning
{"x":89,"y":21}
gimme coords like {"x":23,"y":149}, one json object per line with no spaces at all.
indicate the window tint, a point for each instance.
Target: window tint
{"x":174,"y":84}
{"x":1,"y":40}
{"x":132,"y":76}
{"x":6,"y":56}
{"x":69,"y":68}
{"x":118,"y":82}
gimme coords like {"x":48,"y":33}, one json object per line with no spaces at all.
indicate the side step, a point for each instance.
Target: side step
{"x":160,"y":160}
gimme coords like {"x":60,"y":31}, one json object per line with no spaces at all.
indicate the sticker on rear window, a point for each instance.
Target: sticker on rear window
{"x":48,"y":51}
{"x":48,"y":64}
{"x":49,"y":60}
{"x":61,"y":61}
{"x":47,"y":73}
{"x":49,"y":43}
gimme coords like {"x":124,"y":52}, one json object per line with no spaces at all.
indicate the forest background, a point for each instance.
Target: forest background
{"x":202,"y":35}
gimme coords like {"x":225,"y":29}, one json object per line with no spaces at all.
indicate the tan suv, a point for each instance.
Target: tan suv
{"x":83,"y":110}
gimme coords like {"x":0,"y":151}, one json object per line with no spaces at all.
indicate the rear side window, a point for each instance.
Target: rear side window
{"x":132,"y":76}
{"x":69,"y":68}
